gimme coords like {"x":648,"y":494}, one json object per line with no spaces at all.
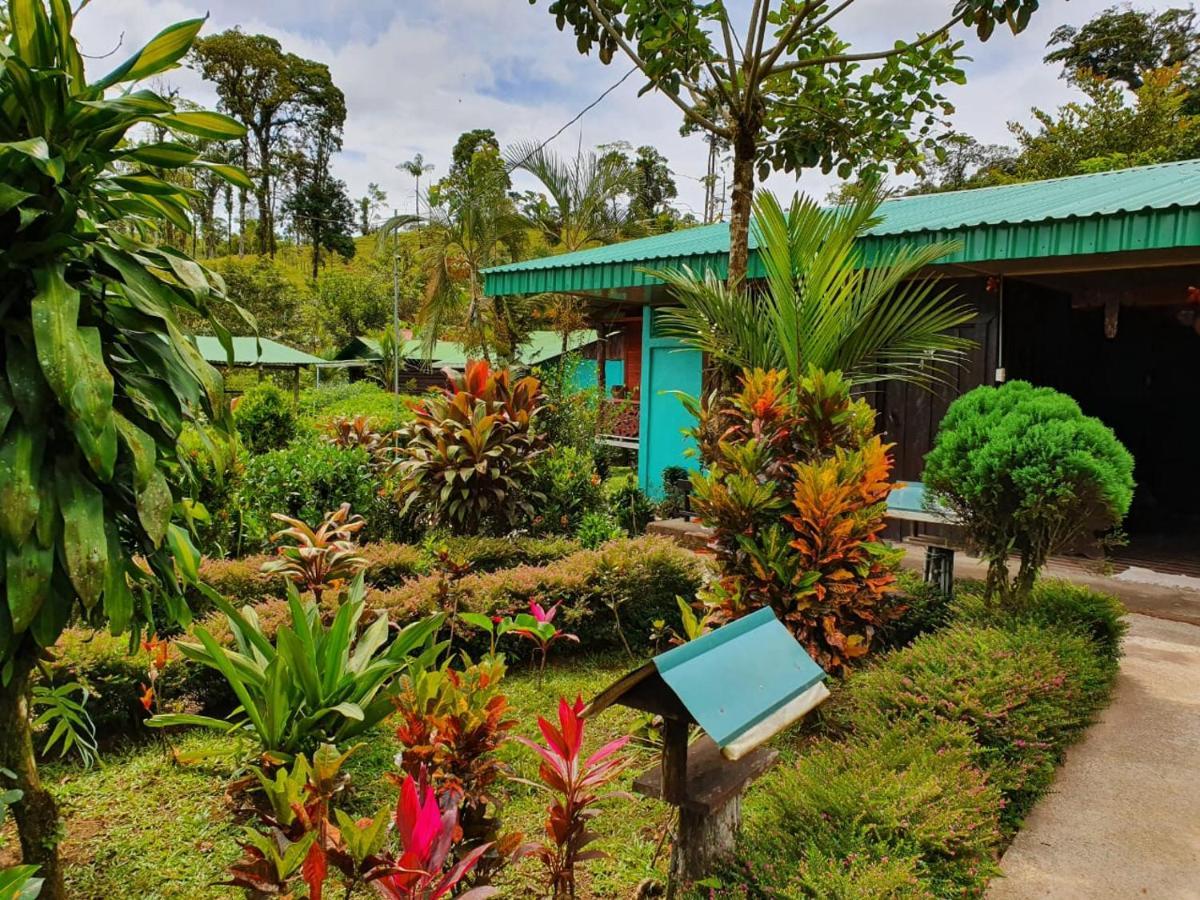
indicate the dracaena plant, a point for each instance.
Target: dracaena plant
{"x":315,"y":682}
{"x":795,"y":490}
{"x":100,"y":374}
{"x":322,"y":558}
{"x":450,"y":725}
{"x":467,"y":456}
{"x":576,"y":786}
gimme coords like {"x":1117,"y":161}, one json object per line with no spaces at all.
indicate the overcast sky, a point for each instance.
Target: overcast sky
{"x":417,"y":73}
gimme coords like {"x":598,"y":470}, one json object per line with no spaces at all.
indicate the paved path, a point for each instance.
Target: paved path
{"x":1123,"y":817}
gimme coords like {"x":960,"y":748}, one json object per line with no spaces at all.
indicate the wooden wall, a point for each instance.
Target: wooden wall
{"x":909,"y":416}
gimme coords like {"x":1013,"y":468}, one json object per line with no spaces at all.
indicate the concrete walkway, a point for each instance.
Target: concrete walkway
{"x":1123,"y":816}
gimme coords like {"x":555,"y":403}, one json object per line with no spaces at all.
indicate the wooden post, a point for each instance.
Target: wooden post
{"x":296,"y":384}
{"x":674,"y":761}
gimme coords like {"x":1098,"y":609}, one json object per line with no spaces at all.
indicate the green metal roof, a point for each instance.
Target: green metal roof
{"x":1145,"y":208}
{"x":546,"y":345}
{"x":246,"y":352}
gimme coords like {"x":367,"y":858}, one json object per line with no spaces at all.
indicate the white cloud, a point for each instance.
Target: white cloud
{"x":417,"y":74}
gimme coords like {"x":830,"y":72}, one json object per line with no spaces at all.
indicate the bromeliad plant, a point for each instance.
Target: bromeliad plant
{"x":320,"y":559}
{"x":576,"y":785}
{"x":467,"y":457}
{"x":795,"y":490}
{"x":100,"y":374}
{"x":315,"y":682}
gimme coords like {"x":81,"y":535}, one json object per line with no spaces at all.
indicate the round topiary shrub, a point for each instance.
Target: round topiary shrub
{"x":1028,"y":474}
{"x":265,"y":418}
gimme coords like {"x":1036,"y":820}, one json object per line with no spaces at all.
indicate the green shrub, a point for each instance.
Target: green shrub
{"x":905,"y":812}
{"x":1024,"y":692}
{"x":926,"y":609}
{"x":386,"y":411}
{"x":597,"y":528}
{"x":631,"y":508}
{"x":265,"y":418}
{"x":1054,"y":603}
{"x":216,"y":486}
{"x":641,"y":577}
{"x":567,"y":480}
{"x":1028,"y":474}
{"x":308,"y":480}
{"x":115,"y":677}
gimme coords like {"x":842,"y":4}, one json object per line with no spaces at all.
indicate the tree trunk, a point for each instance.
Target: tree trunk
{"x":266,"y":228}
{"x":745,"y":153}
{"x":36,"y":813}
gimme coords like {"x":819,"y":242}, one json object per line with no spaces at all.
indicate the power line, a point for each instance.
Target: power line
{"x":583,"y":112}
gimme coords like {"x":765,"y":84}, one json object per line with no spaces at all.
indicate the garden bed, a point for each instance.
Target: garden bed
{"x":908,"y":784}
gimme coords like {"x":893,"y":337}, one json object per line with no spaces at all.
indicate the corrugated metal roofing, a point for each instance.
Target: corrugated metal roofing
{"x":1144,"y":208}
{"x":541,"y":346}
{"x":246,"y":352}
{"x":544,"y":345}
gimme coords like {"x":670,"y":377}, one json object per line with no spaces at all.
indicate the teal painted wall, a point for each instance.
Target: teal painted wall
{"x":614,"y":374}
{"x":666,"y":366}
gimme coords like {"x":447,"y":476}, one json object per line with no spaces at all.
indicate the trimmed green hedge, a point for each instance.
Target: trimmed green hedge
{"x":646,"y":572}
{"x":640,"y":576}
{"x":391,"y":565}
{"x":922,"y":765}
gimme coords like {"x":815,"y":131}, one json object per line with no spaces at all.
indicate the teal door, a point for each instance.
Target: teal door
{"x":666,"y":366}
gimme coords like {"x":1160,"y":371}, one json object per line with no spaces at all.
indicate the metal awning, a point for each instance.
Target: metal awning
{"x":1148,"y":208}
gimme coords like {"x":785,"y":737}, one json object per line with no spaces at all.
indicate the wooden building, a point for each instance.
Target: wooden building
{"x":1089,"y":284}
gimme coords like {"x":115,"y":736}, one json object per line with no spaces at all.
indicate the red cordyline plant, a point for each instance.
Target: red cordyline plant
{"x":348,"y":433}
{"x":319,"y":559}
{"x":538,"y":626}
{"x":427,"y":834}
{"x":306,"y":837}
{"x":576,"y":787}
{"x":467,"y":456}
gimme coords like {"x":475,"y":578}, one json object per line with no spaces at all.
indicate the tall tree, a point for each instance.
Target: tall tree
{"x":99,"y":376}
{"x":964,"y":162}
{"x":1123,"y":44}
{"x":784,"y":88}
{"x":472,"y":224}
{"x":269,"y":91}
{"x":368,"y":203}
{"x":416,"y":167}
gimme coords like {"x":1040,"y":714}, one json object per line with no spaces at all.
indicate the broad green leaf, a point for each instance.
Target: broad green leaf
{"x":72,"y":364}
{"x":37,"y":150}
{"x":166,"y":154}
{"x":20,"y":468}
{"x":27,"y":572}
{"x":163,"y":51}
{"x":187,"y":557}
{"x":11,"y":196}
{"x":118,"y":598}
{"x":31,"y":33}
{"x":210,"y":125}
{"x":235,"y":175}
{"x":84,"y":543}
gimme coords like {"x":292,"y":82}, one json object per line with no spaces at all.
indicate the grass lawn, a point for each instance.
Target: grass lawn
{"x":143,"y":827}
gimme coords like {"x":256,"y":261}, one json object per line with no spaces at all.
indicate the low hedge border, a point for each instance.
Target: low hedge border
{"x":922,"y":765}
{"x":390,"y":565}
{"x":645,"y":574}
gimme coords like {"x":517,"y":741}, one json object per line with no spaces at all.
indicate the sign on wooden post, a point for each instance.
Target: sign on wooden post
{"x":742,"y":684}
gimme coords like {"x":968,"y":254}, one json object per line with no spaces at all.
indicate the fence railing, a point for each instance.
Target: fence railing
{"x":619,"y":424}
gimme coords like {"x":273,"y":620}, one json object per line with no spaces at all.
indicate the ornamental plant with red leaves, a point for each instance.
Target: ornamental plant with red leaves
{"x":795,"y":489}
{"x":537,"y":626}
{"x":451,"y":723}
{"x":576,"y":788}
{"x":467,"y":456}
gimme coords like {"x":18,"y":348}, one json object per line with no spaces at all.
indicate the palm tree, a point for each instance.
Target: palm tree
{"x":416,"y":167}
{"x":584,"y":196}
{"x":471,"y":224}
{"x":821,"y":306}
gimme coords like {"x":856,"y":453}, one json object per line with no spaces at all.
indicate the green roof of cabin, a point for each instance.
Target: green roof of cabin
{"x":541,"y":346}
{"x":246,"y":352}
{"x":1144,"y":208}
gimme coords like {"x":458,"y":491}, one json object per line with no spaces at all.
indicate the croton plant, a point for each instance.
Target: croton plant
{"x":795,"y":488}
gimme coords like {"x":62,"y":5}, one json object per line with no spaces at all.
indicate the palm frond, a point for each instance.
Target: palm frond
{"x":820,"y":305}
